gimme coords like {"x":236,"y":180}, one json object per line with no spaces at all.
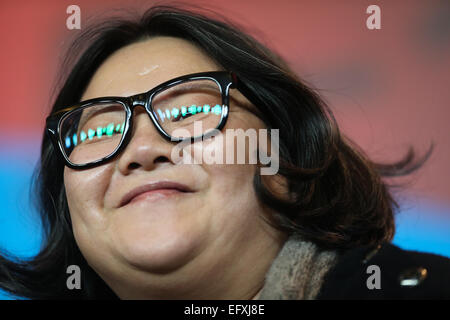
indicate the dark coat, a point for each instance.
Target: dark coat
{"x":403,"y":275}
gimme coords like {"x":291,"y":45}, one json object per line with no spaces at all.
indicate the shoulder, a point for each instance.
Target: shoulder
{"x":387,"y":272}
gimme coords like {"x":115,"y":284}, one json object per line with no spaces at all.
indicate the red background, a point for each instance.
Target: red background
{"x":388,"y":88}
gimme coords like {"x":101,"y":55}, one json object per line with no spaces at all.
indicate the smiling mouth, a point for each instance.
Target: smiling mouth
{"x":155,"y":194}
{"x":149,"y":192}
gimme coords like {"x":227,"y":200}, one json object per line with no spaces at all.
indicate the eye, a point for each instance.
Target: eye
{"x":89,"y":135}
{"x":187,"y":112}
{"x":179,"y":114}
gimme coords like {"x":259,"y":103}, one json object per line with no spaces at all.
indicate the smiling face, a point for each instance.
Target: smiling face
{"x":201,"y":226}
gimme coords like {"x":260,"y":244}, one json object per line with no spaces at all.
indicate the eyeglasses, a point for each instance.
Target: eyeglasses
{"x":93,"y":131}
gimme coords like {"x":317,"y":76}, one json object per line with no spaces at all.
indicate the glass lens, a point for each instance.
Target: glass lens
{"x":189,"y":109}
{"x":92,"y":133}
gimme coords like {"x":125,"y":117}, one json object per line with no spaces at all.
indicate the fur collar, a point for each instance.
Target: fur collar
{"x":298,"y":271}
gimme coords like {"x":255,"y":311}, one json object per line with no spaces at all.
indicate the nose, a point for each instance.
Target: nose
{"x":147,"y":149}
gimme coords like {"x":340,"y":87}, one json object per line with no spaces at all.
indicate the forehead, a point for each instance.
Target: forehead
{"x":143,"y":65}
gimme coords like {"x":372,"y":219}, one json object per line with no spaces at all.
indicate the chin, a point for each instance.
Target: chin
{"x":156,"y":251}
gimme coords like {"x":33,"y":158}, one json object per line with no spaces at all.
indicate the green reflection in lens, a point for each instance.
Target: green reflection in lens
{"x":192,"y":109}
{"x":217,"y":109}
{"x":82,"y":136}
{"x":91,"y":134}
{"x":161,"y":115}
{"x":110,"y":129}
{"x":183,"y":111}
{"x":175,"y":112}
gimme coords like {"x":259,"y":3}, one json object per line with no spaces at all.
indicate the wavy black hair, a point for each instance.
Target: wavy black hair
{"x":336,"y":197}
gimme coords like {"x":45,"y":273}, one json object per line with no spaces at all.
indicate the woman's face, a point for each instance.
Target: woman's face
{"x":207,"y":243}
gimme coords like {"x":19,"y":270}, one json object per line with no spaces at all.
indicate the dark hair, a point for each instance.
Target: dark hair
{"x":336,"y":196}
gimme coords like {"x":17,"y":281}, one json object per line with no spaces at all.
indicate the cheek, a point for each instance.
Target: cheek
{"x":230,"y":159}
{"x":231,"y":198}
{"x":85,"y":190}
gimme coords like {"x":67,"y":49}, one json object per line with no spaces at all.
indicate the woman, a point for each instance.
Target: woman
{"x":143,"y":224}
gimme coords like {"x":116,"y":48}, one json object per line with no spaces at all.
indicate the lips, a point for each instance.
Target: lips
{"x":163,"y":187}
